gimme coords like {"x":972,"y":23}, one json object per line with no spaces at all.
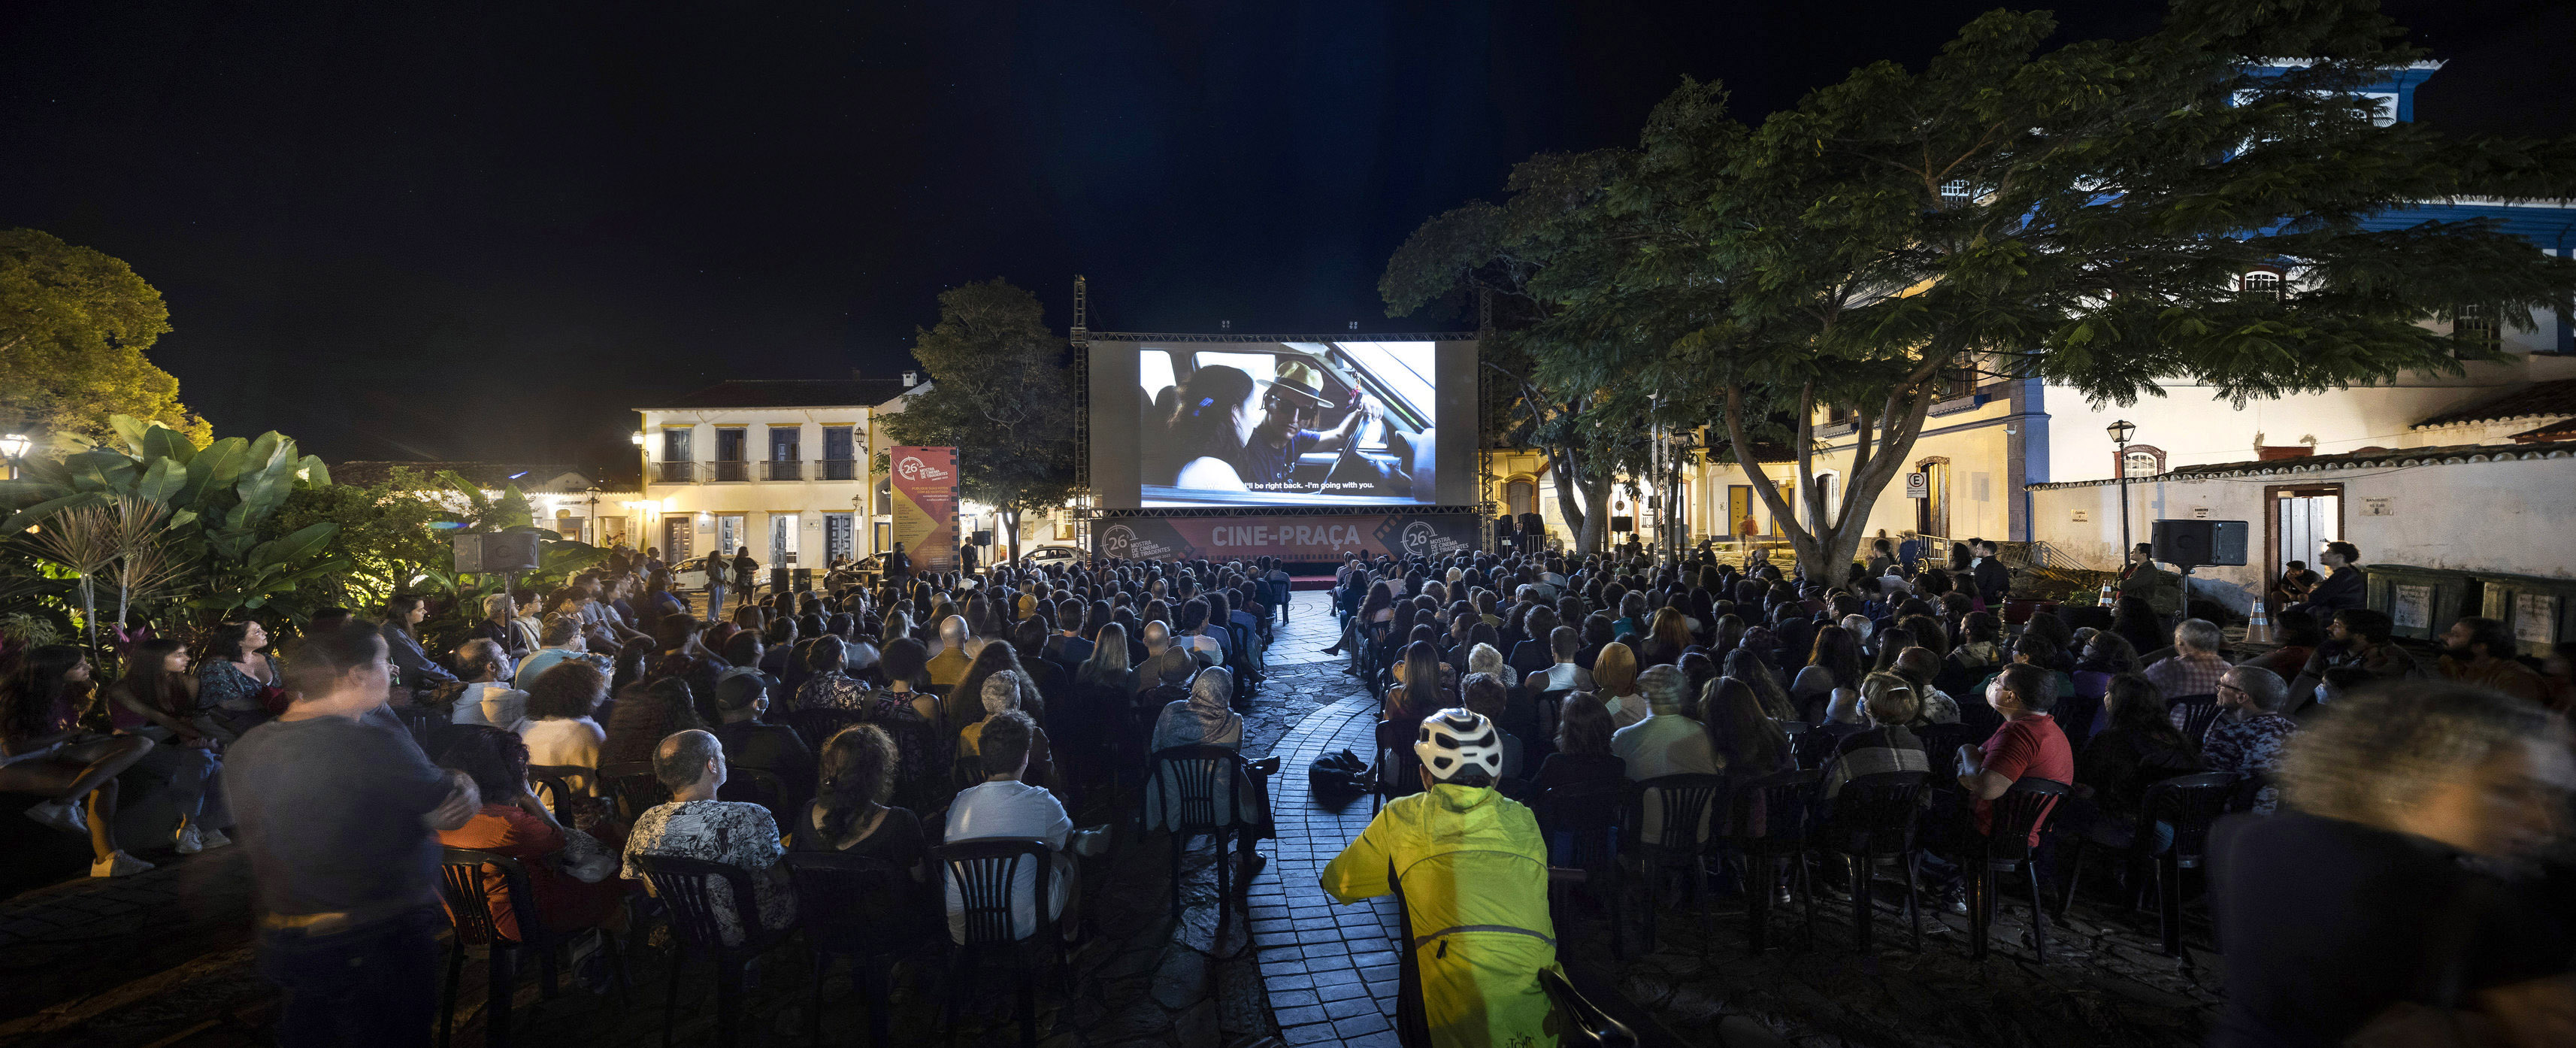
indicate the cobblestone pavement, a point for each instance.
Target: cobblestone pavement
{"x":162,"y":958}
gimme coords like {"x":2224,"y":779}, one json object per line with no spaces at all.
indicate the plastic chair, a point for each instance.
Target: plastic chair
{"x":2199,"y":712}
{"x":817,"y":727}
{"x":2075,"y":714}
{"x":2020,"y":813}
{"x":687,"y":886}
{"x":1872,"y":825}
{"x":985,"y":873}
{"x":1786,"y":804}
{"x":556,"y":780}
{"x":762,"y":787}
{"x":423,"y":724}
{"x":1588,"y":814}
{"x":1590,"y":1026}
{"x":1684,"y":804}
{"x":1194,"y":772}
{"x":1814,"y":747}
{"x":1392,"y":775}
{"x":634,"y":787}
{"x":2189,"y":804}
{"x":849,"y":905}
{"x":469,"y":912}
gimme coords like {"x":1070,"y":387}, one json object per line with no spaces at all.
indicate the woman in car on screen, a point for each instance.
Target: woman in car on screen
{"x":1212,"y":419}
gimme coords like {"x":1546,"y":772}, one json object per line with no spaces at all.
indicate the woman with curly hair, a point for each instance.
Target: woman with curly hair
{"x":850,"y":813}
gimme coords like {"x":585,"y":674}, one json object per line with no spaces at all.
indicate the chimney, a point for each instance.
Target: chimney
{"x":911,"y":379}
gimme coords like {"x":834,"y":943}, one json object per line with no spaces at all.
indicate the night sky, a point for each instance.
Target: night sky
{"x":406,"y":231}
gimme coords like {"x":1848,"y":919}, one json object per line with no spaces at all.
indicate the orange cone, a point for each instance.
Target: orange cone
{"x":2258,"y":627}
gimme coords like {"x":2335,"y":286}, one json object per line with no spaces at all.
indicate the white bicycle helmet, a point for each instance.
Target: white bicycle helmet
{"x":1454,"y":739}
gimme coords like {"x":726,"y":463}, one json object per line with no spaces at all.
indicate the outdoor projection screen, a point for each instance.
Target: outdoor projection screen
{"x":1277,"y":424}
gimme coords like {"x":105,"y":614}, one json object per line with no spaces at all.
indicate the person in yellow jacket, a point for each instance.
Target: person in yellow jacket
{"x":1474,"y":872}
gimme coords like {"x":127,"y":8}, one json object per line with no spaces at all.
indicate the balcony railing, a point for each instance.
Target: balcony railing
{"x":677,"y":472}
{"x":838,"y":469}
{"x":722,"y":472}
{"x":775,"y":469}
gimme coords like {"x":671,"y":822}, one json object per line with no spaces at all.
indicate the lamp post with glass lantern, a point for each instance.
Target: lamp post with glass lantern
{"x":2120,"y":432}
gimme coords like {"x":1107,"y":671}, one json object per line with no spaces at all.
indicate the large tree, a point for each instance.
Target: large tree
{"x":1492,"y":257}
{"x":2080,"y":215}
{"x":74,"y":325}
{"x":1001,"y":394}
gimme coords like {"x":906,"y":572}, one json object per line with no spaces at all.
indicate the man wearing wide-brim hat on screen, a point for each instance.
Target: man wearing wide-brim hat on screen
{"x":1294,"y":392}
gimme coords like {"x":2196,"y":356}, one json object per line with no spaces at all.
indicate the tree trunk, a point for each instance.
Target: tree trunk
{"x":89,"y":619}
{"x":1825,"y":551}
{"x":1011,"y":532}
{"x":1596,"y":523}
{"x":1560,"y":467}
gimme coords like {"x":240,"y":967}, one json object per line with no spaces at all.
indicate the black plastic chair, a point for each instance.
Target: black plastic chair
{"x":469,"y":912}
{"x":2188,"y":804}
{"x":1194,"y":773}
{"x":2199,"y":711}
{"x":1871,"y":824}
{"x":1590,"y":1027}
{"x":633,"y":786}
{"x":985,"y":872}
{"x":1685,"y":804}
{"x":1813,"y":747}
{"x":850,"y":905}
{"x":1787,"y":802}
{"x":1588,"y":813}
{"x":1392,"y":773}
{"x":555,"y":780}
{"x":2074,"y":715}
{"x":763,"y":787}
{"x":423,"y":724}
{"x":687,"y":887}
{"x":817,"y":727}
{"x":2015,"y":817}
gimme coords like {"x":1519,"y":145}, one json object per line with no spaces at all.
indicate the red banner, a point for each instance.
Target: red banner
{"x":924,"y":483}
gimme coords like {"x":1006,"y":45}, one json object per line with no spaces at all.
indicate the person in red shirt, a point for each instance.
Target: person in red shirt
{"x":513,"y":822}
{"x":2027,"y":746}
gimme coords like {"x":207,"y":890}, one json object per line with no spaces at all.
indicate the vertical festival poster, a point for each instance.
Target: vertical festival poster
{"x":924,"y":481}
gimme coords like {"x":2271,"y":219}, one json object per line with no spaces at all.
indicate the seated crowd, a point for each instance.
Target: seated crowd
{"x":586,"y":730}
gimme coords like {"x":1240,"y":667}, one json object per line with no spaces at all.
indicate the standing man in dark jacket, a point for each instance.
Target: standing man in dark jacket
{"x":746,"y":575}
{"x":897,"y":566}
{"x":1993,"y":579}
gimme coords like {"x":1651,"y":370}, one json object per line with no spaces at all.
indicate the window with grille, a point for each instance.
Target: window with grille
{"x":2475,"y":330}
{"x":2259,"y":285}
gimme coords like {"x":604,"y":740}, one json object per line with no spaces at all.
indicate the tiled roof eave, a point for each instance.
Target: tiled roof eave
{"x":2294,"y":467}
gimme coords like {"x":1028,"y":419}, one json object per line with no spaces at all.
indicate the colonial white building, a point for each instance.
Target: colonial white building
{"x":782,"y":467}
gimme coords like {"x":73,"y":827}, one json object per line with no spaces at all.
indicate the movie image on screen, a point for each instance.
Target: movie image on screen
{"x":1286,"y":423}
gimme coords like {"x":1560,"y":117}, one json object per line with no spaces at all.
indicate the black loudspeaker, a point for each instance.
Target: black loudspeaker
{"x":483,"y":553}
{"x":1534,"y":526}
{"x":778,"y":580}
{"x":1623,"y":525}
{"x":804,"y":580}
{"x":2198,"y":543}
{"x":1503,"y":530}
{"x":983,"y":538}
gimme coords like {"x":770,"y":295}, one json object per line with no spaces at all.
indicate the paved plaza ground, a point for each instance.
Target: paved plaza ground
{"x":162,"y":959}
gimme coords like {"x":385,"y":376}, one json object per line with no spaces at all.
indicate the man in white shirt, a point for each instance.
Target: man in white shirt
{"x":1003,"y":806}
{"x":488,"y":697}
{"x":1204,"y":639}
{"x":1665,"y":743}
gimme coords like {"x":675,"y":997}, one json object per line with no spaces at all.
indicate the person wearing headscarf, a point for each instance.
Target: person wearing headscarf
{"x":1206,"y":718}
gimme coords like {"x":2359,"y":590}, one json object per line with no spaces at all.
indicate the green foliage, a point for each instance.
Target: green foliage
{"x":74,"y":324}
{"x":384,"y":541}
{"x":1001,"y":395}
{"x":2078,"y":215}
{"x":208,"y":509}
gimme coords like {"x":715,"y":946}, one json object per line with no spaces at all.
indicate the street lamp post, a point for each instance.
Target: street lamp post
{"x":593,"y":526}
{"x":2120,"y":432}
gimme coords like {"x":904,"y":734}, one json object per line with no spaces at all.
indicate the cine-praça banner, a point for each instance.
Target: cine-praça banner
{"x":1293,"y":537}
{"x":925,"y":506}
